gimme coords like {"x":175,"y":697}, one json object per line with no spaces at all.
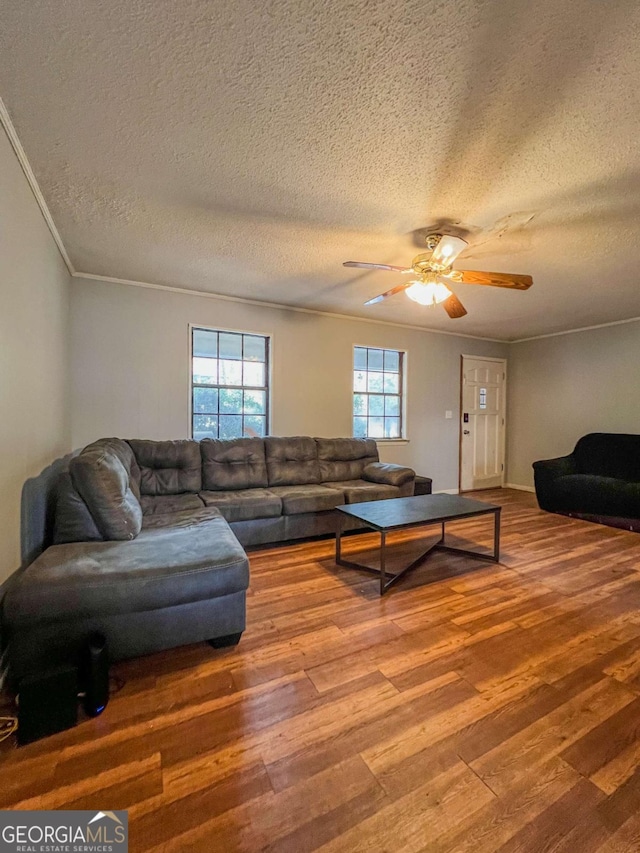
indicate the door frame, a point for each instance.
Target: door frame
{"x":503,"y":443}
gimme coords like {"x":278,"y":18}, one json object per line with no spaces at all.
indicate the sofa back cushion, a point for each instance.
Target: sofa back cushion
{"x":168,"y":467}
{"x":73,"y":522}
{"x":291,"y":461}
{"x":345,"y":458}
{"x":121,"y":449}
{"x":103,"y":482}
{"x":233,"y":464}
{"x":609,"y":455}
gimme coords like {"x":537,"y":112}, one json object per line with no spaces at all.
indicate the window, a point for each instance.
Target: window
{"x":230,"y":384}
{"x":377,"y":393}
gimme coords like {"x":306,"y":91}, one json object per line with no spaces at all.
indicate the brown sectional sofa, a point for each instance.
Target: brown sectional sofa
{"x":149,"y":536}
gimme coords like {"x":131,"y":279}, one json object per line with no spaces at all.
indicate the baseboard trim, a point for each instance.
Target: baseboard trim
{"x":447,"y":492}
{"x":519,"y":488}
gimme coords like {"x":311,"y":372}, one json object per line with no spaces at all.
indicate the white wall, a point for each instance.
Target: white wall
{"x":130,"y":370}
{"x":564,"y":387}
{"x":34,"y":319}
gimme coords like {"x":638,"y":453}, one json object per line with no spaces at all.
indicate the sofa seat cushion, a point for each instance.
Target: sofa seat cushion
{"x":182,"y":518}
{"x":312,"y":498}
{"x":245,"y":504}
{"x":355,"y":491}
{"x":590,"y":493}
{"x":162,"y":504}
{"x":160,"y":568}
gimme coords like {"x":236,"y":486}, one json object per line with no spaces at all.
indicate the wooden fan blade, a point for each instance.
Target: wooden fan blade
{"x":397,"y":289}
{"x":497,"y":279}
{"x":454,"y":307}
{"x":365,"y":266}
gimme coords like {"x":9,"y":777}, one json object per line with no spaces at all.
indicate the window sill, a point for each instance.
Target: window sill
{"x":391,"y":440}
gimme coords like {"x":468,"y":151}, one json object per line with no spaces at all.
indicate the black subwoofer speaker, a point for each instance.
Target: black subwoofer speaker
{"x":94,"y":674}
{"x":47,"y":703}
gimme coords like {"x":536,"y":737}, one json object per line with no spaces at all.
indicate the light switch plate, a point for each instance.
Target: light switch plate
{"x":448,"y":414}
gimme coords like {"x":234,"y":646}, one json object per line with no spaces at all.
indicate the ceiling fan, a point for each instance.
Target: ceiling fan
{"x":432,"y":271}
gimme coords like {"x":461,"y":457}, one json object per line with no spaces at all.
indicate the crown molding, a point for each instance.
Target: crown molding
{"x":7,"y":124}
{"x":282,"y":307}
{"x":575,"y":331}
{"x":276,"y":305}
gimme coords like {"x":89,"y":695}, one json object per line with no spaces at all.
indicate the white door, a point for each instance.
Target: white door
{"x":482,"y":423}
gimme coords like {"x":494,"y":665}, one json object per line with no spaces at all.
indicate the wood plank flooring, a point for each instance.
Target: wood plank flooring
{"x":476,"y":707}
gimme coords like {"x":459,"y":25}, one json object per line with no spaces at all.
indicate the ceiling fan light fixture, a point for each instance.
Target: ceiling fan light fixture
{"x":431,"y":269}
{"x":428,"y":293}
{"x":446,"y":251}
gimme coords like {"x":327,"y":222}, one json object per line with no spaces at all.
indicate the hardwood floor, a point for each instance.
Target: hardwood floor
{"x":476,"y":707}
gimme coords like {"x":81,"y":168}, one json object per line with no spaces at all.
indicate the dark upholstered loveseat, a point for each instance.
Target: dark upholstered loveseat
{"x":599,"y":481}
{"x":149,"y":536}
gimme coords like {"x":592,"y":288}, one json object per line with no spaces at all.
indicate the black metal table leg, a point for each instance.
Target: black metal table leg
{"x":496,"y":534}
{"x":388,"y":579}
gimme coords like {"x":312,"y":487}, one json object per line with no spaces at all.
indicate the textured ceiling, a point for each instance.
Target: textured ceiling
{"x":249,"y":148}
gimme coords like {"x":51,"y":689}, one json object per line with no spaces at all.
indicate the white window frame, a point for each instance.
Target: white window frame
{"x":403,"y":438}
{"x":269,"y":337}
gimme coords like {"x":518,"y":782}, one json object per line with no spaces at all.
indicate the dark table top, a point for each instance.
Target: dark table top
{"x":399,"y":512}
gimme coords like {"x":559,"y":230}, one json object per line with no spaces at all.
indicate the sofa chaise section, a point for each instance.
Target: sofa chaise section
{"x":170,"y":586}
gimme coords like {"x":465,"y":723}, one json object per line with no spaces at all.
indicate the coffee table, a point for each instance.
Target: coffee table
{"x":403,"y":513}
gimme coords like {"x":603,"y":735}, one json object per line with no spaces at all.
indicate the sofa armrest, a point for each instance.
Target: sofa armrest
{"x":546,"y":471}
{"x":552,"y":468}
{"x":387,"y":473}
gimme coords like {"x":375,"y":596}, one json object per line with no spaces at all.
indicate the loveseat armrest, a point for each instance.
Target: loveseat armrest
{"x":545,"y":472}
{"x":552,"y":468}
{"x":388,"y":473}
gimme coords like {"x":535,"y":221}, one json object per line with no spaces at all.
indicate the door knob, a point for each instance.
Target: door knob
{"x":465,"y":431}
